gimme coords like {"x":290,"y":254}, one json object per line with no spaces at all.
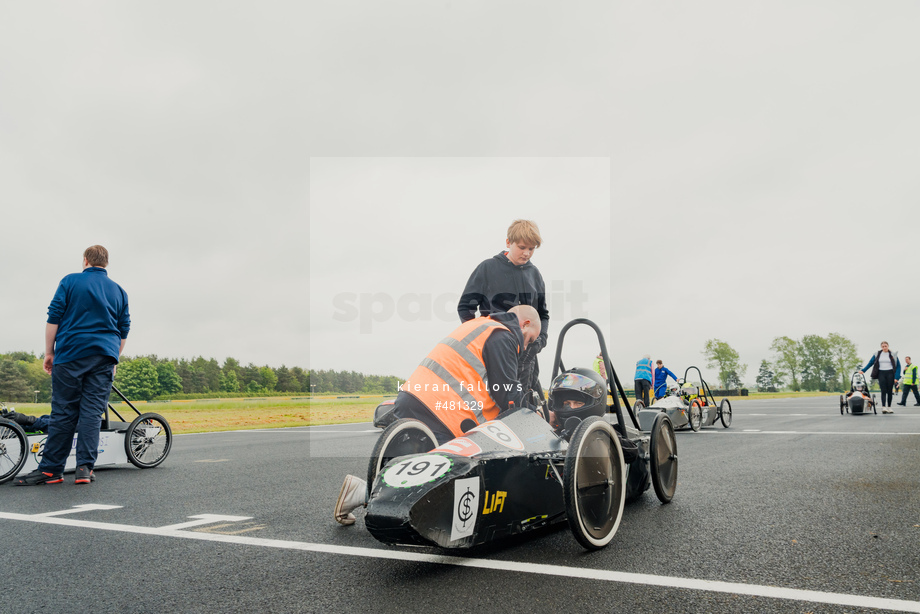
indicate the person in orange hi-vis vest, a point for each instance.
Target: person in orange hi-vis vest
{"x":468,"y":378}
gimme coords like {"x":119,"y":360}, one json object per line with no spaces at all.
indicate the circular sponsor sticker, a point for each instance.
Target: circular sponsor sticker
{"x":411,"y":472}
{"x":500,"y":433}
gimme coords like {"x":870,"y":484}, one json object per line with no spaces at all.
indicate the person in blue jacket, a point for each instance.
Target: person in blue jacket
{"x":661,"y":379}
{"x":88,"y":324}
{"x":886,"y":368}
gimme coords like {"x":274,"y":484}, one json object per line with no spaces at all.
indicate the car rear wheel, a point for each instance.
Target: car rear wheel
{"x":695,"y":414}
{"x":842,"y":404}
{"x":14,"y":447}
{"x":148,"y":440}
{"x":663,"y":451}
{"x":725,"y":413}
{"x":594,"y":483}
{"x":403,"y":437}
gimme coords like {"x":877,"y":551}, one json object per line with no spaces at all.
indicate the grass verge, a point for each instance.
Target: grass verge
{"x":205,"y":416}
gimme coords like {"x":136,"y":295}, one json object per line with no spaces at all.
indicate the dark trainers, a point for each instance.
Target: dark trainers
{"x":38,"y":477}
{"x":84,"y":475}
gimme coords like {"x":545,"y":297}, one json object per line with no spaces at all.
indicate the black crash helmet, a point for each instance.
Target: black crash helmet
{"x":582,"y":385}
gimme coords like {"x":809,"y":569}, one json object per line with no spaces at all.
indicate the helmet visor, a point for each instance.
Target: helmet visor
{"x":579,"y":383}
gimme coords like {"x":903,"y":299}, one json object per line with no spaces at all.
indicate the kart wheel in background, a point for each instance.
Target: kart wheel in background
{"x":594,"y":483}
{"x":725,"y":413}
{"x":695,"y":414}
{"x":405,"y":436}
{"x":148,"y":440}
{"x":842,"y":403}
{"x":638,"y":405}
{"x":14,"y":446}
{"x":663,"y":451}
{"x":874,"y":410}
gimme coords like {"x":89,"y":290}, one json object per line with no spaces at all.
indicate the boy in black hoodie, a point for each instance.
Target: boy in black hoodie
{"x":508,"y":279}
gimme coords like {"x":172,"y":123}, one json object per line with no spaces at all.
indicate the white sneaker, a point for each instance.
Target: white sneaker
{"x":885,"y":410}
{"x":352,"y":496}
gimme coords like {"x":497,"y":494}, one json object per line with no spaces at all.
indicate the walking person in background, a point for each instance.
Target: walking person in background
{"x":886,"y":368}
{"x":643,"y":379}
{"x":909,"y":379}
{"x":661,"y":379}
{"x":88,"y":323}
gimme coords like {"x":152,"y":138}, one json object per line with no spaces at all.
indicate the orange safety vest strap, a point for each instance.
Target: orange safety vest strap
{"x":456,"y":373}
{"x":451,"y":381}
{"x":461,"y":347}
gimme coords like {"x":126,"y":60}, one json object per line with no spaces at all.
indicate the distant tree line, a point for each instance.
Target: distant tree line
{"x":812,"y":363}
{"x":719,"y":355}
{"x":143,"y":378}
{"x":22,"y":378}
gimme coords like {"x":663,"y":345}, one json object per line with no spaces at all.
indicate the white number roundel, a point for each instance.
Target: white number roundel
{"x":500,"y":433}
{"x":417,"y":470}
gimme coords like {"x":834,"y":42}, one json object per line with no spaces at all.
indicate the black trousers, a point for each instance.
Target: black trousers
{"x":907,"y":388}
{"x":886,"y":383}
{"x":407,"y":406}
{"x":643,"y":386}
{"x":79,"y":395}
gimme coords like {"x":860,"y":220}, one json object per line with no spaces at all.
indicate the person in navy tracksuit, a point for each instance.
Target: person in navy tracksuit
{"x":88,"y":323}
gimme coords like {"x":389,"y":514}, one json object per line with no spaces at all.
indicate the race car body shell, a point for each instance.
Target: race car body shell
{"x":857,"y":402}
{"x":500,"y":479}
{"x":495,"y":481}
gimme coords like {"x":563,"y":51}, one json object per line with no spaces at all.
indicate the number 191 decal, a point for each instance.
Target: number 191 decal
{"x":414,"y":471}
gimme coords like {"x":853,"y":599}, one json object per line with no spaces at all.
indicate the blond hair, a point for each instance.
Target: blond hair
{"x":96,"y":255}
{"x":524,"y":231}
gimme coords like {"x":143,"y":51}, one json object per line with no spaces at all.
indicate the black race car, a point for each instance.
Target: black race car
{"x":576,"y":458}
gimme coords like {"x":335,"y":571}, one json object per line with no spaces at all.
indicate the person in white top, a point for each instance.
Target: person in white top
{"x":886,"y":368}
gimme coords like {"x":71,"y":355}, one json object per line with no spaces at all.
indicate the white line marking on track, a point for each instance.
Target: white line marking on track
{"x":756,"y":432}
{"x":367,"y":431}
{"x":602,"y":575}
{"x":202,"y":519}
{"x":86,"y":507}
{"x":830,"y":414}
{"x":307,"y":429}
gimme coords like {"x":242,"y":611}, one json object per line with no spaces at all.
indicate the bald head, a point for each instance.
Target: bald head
{"x":529,"y":320}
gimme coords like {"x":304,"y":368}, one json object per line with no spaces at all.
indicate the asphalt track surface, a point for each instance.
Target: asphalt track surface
{"x":795,"y":508}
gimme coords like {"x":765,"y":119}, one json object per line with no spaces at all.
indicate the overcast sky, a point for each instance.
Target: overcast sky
{"x":731,"y":170}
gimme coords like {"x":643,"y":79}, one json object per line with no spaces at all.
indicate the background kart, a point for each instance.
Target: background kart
{"x":383,"y":414}
{"x":517,"y":473}
{"x":693,"y":406}
{"x":145,"y":442}
{"x":857,"y":400}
